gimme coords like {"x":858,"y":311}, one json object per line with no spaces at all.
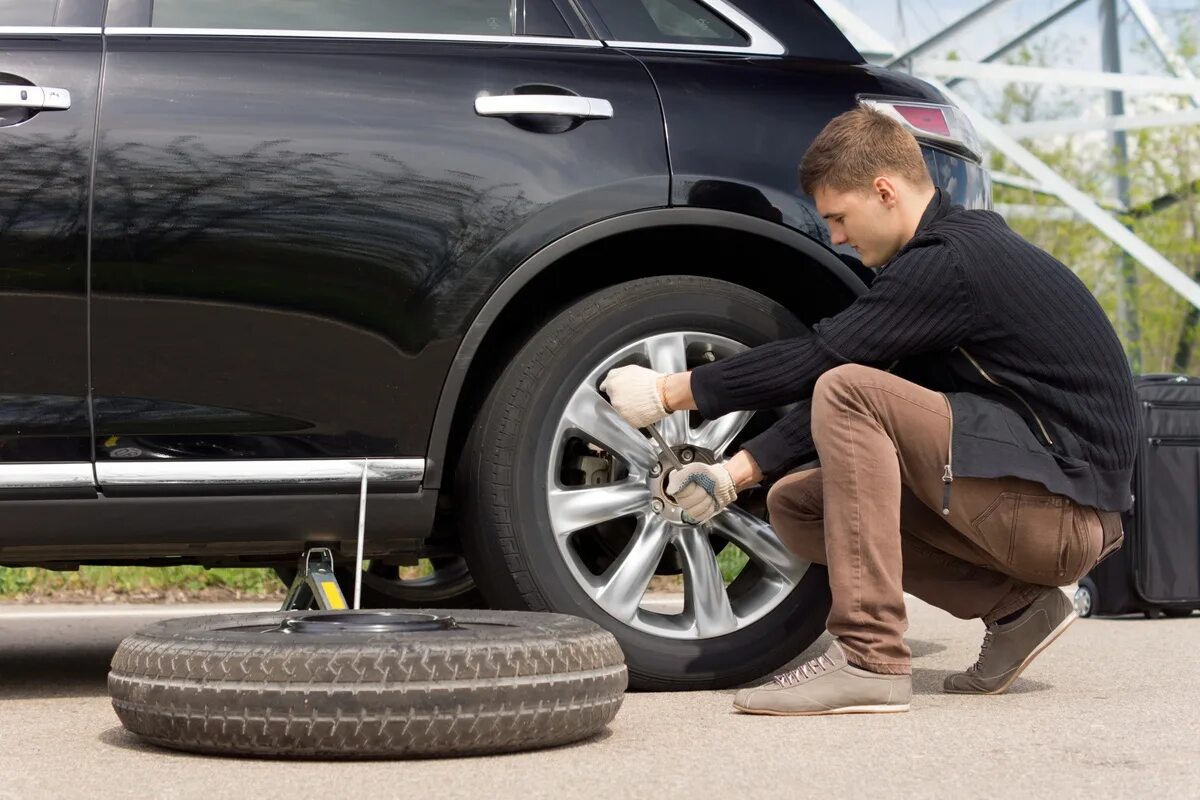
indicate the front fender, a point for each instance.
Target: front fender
{"x":511,"y":287}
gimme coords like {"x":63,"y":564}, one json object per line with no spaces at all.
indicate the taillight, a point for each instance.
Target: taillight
{"x":935,"y":122}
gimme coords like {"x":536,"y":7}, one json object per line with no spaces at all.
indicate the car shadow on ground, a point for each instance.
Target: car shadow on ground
{"x":42,"y":671}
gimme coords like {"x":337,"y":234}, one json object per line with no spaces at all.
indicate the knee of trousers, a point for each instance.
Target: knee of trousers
{"x":836,"y":388}
{"x":796,"y":497}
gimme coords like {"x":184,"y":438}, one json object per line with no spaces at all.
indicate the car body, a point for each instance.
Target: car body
{"x":261,"y":253}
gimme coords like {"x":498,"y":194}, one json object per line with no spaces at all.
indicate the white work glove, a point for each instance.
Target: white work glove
{"x":633,"y":392}
{"x":702,"y":490}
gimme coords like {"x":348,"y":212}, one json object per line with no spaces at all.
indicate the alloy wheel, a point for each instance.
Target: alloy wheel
{"x":616,"y":527}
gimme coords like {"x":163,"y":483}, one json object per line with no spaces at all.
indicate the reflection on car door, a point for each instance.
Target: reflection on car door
{"x":48,"y":84}
{"x":291,"y":228}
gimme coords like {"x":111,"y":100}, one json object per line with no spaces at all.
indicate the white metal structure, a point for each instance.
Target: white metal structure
{"x":1038,"y":176}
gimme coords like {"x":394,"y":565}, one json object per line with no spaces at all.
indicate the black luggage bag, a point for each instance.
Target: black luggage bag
{"x":1157,"y":569}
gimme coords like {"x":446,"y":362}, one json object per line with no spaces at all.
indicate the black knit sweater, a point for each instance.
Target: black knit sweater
{"x":964,"y":289}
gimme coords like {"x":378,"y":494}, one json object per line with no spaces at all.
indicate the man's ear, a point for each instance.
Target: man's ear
{"x":885,"y":190}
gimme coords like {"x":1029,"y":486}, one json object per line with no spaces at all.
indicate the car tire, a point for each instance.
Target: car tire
{"x":367,"y":683}
{"x":1086,"y":597}
{"x":502,"y":486}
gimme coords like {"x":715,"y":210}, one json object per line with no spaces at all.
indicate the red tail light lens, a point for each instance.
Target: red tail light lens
{"x":927,"y":118}
{"x":932,"y":122}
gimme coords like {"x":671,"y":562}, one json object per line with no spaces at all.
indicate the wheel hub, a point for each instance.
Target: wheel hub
{"x":377,"y":622}
{"x":661,"y":503}
{"x":1083,"y":602}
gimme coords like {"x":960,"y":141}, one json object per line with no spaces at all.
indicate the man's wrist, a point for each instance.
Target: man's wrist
{"x":743,"y":470}
{"x":661,"y":387}
{"x":677,"y":392}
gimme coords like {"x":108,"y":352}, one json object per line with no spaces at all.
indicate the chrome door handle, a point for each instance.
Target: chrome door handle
{"x":560,"y":105}
{"x":34,"y":97}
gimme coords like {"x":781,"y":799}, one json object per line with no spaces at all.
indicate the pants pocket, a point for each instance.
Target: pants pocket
{"x":1031,"y":537}
{"x":1087,"y":544}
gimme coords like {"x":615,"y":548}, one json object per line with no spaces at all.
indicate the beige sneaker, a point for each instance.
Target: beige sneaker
{"x":827,"y":685}
{"x":1008,"y":649}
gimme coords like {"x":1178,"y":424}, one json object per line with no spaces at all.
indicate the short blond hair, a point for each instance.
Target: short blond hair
{"x":858,"y":146}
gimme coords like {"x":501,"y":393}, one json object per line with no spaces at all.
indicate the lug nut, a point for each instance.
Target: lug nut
{"x":687,"y":456}
{"x":656,"y":470}
{"x":656,"y":505}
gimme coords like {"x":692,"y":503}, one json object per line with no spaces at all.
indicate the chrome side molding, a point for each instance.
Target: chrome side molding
{"x":46,"y":30}
{"x":76,"y":479}
{"x":285,"y":473}
{"x":37,"y":477}
{"x":398,"y":36}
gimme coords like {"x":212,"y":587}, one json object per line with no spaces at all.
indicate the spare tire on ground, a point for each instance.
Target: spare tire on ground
{"x":368,"y":683}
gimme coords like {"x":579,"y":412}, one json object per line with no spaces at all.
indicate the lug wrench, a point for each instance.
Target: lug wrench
{"x":674,"y":459}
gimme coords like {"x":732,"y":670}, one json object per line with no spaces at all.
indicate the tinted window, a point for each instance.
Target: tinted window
{"x":27,"y":12}
{"x":474,"y":17}
{"x":667,"y":21}
{"x":543,"y":19}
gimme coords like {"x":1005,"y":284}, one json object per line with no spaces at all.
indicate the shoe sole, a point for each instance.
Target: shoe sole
{"x":847,"y":710}
{"x":1049,"y":640}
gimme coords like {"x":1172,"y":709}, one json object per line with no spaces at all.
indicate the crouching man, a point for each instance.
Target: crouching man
{"x":974,"y":418}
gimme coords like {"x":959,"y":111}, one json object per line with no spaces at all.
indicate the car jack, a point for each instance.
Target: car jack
{"x":315,"y":581}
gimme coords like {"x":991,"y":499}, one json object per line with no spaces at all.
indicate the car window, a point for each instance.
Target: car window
{"x":543,"y":19}
{"x":27,"y":12}
{"x":667,"y":21}
{"x":472,"y":17}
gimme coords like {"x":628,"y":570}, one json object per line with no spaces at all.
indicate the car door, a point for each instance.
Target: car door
{"x":298,"y":204}
{"x":49,"y":72}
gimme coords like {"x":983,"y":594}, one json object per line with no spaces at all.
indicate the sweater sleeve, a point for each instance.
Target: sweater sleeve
{"x":919,"y":303}
{"x":786,"y":443}
{"x":916,"y":305}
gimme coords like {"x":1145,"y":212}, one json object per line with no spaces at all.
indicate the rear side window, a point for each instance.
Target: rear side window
{"x":469,"y":17}
{"x":24,"y":13}
{"x":667,"y":22}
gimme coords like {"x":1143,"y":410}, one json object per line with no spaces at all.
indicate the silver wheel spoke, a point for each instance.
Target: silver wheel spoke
{"x":706,"y":594}
{"x":668,"y":353}
{"x":591,"y":414}
{"x":674,"y":428}
{"x":758,"y":540}
{"x":717,"y":434}
{"x":572,"y":509}
{"x":626,"y":581}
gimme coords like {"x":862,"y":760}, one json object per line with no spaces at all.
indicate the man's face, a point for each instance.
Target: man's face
{"x":867,"y":220}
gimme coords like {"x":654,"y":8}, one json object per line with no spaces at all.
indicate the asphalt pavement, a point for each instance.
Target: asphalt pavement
{"x":1110,"y":710}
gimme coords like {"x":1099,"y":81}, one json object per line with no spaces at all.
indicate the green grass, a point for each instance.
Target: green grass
{"x":28,"y":582}
{"x":33,"y":582}
{"x":184,"y":581}
{"x":731,"y":560}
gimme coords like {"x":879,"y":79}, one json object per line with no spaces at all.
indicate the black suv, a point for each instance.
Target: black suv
{"x":252,"y":249}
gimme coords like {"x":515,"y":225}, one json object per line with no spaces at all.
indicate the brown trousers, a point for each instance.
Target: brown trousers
{"x":873,"y":513}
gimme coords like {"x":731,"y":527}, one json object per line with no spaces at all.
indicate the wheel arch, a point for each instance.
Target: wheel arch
{"x":567,"y":269}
